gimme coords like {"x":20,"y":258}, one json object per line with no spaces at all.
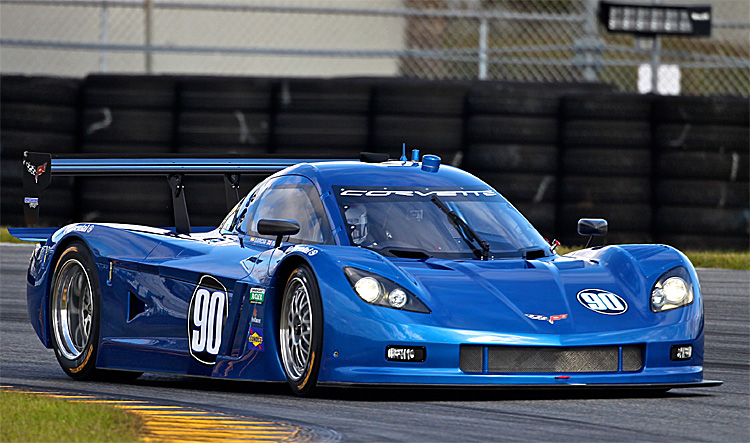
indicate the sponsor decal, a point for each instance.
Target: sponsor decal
{"x":33,"y":202}
{"x":206,"y":317}
{"x":415,"y":193}
{"x":405,"y":353}
{"x":257,"y":295}
{"x":681,"y":352}
{"x":255,"y":339}
{"x":36,"y":171}
{"x":551,"y":319}
{"x":304,"y":250}
{"x":257,"y":319}
{"x":83,"y":228}
{"x":603,"y":302}
{"x":261,"y":241}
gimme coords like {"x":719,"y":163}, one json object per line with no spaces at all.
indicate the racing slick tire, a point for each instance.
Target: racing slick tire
{"x":74,"y":312}
{"x":301,"y":330}
{"x":74,"y":306}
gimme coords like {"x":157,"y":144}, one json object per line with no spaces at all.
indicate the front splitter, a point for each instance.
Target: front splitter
{"x":511,"y":387}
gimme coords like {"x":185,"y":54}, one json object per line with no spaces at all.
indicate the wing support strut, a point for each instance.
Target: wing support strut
{"x":232,"y":189}
{"x":179,"y":205}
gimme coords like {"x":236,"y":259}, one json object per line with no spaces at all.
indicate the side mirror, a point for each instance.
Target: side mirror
{"x":279,"y":228}
{"x":592,"y":227}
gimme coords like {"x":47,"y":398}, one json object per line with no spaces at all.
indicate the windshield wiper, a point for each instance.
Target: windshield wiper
{"x":465,"y":230}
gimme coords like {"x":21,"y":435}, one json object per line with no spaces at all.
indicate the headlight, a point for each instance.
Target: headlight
{"x":368,"y":289}
{"x":380,"y":291}
{"x":673,"y":290}
{"x":397,"y":298}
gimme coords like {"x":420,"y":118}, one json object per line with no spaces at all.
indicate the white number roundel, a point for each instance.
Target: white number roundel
{"x":206,"y":317}
{"x":603,"y":302}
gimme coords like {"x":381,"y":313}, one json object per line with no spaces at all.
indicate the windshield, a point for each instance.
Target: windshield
{"x":407,"y":222}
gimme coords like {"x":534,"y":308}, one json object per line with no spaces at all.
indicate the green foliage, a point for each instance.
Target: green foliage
{"x":30,"y":417}
{"x":5,"y":237}
{"x":739,"y":260}
{"x":722,"y":260}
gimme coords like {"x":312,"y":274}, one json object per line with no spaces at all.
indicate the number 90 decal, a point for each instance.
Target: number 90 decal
{"x":206,"y":317}
{"x":603,"y":302}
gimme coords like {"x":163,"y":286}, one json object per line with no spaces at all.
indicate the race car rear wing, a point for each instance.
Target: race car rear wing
{"x":39,"y":168}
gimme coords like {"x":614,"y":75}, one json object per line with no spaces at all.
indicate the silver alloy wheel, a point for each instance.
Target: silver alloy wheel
{"x":73,"y":309}
{"x":296,"y":329}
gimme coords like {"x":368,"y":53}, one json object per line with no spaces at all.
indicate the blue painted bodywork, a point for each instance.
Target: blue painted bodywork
{"x":472,"y":301}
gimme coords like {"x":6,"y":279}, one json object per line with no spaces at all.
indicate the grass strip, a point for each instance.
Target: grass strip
{"x":5,"y":236}
{"x":721,"y":260}
{"x":32,"y":417}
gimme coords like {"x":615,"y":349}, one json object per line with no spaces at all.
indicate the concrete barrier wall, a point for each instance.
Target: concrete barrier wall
{"x":660,"y":169}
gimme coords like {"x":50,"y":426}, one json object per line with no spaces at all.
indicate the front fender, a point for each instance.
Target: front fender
{"x":648,"y":262}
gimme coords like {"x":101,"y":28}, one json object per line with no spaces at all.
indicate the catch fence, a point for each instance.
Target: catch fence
{"x":529,"y":41}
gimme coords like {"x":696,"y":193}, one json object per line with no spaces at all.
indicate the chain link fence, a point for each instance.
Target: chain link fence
{"x":520,"y":40}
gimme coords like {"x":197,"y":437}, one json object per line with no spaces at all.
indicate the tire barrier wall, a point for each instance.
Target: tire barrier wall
{"x":660,"y":169}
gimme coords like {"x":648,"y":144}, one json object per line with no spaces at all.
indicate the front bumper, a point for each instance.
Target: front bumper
{"x":362,"y":360}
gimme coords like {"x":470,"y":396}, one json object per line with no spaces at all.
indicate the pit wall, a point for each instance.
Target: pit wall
{"x":660,"y":169}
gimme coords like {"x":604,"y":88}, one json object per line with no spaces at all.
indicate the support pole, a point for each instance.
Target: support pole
{"x":483,"y":25}
{"x":655,"y":59}
{"x":590,"y":39}
{"x":149,"y":7}
{"x":103,"y":36}
{"x":655,"y":62}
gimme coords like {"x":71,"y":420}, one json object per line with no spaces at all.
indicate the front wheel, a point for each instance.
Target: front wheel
{"x":301,"y":330}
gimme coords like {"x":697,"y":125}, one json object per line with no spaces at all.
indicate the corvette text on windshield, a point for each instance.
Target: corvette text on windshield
{"x":415,"y":193}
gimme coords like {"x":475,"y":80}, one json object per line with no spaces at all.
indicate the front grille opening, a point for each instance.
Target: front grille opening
{"x":471,"y":358}
{"x":538,"y":359}
{"x":632,"y":358}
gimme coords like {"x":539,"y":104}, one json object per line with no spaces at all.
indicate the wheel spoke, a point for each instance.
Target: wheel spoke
{"x":73,"y":306}
{"x":296,"y":328}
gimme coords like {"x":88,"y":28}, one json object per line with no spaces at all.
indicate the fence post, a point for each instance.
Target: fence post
{"x":483,"y":25}
{"x":103,"y":36}
{"x":590,"y":41}
{"x":655,"y":59}
{"x":148,"y":9}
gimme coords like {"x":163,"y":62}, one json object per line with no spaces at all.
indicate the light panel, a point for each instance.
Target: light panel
{"x":646,"y":19}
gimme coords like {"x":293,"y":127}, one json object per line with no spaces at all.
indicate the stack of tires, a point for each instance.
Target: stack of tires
{"x":315,"y":118}
{"x":225,"y":117}
{"x":702,"y":146}
{"x":425,"y":116}
{"x":127,"y":115}
{"x":512,"y":133}
{"x":606,"y":166}
{"x":37,"y":114}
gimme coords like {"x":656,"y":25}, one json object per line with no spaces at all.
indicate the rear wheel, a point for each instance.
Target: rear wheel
{"x":301,"y":330}
{"x":74,"y":312}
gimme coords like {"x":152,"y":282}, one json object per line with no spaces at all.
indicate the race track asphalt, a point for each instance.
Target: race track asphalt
{"x":713,"y":414}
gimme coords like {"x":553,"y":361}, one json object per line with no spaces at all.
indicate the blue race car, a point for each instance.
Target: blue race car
{"x":377,"y":272}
